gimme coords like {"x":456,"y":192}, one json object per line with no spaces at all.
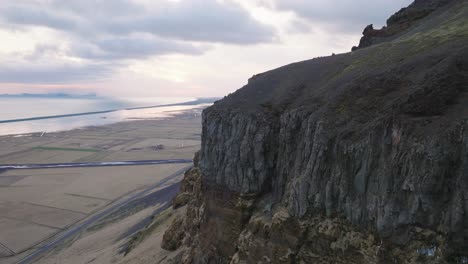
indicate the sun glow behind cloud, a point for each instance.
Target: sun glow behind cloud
{"x":168,"y":47}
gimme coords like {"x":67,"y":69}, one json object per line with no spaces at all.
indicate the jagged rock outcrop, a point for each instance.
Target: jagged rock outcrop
{"x":188,"y":185}
{"x":354,"y":158}
{"x":174,"y":235}
{"x":400,"y":22}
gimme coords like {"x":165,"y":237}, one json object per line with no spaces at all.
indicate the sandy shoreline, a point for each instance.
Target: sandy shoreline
{"x":42,"y":125}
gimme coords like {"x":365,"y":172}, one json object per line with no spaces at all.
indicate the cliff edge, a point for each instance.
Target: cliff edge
{"x":355,"y":158}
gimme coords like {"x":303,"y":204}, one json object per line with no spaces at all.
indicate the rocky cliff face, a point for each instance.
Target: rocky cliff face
{"x":355,"y":158}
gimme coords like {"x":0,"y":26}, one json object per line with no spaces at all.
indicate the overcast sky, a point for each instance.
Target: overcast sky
{"x":170,"y":47}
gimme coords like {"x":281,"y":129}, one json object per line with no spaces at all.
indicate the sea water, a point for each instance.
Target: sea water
{"x":30,"y":115}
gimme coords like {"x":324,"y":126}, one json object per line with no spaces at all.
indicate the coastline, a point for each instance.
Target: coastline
{"x":38,"y":126}
{"x":198,"y":101}
{"x":22,"y":148}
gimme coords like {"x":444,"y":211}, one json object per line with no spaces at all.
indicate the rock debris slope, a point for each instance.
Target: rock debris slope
{"x":355,"y":158}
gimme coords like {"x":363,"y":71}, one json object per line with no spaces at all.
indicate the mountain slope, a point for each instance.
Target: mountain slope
{"x":355,"y":158}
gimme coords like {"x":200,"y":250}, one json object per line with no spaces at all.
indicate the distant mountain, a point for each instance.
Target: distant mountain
{"x":202,"y":100}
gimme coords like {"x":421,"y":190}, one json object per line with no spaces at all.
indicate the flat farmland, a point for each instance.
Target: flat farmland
{"x":35,"y":204}
{"x":143,"y":139}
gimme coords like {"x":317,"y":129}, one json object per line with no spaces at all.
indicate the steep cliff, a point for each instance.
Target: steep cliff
{"x":355,"y":158}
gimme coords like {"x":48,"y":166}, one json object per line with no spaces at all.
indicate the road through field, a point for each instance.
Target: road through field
{"x":92,"y":164}
{"x":62,"y":237}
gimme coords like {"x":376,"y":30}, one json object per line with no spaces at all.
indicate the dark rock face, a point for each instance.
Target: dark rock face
{"x":188,"y":186}
{"x":248,"y":157}
{"x":181,"y":199}
{"x":355,"y":158}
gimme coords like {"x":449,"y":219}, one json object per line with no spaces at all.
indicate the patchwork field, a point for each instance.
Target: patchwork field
{"x":38,"y":203}
{"x":177,"y":137}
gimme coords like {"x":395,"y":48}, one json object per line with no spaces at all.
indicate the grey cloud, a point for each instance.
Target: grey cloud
{"x":131,"y":48}
{"x":29,"y":15}
{"x":111,"y":8}
{"x":56,"y":74}
{"x":299,"y":26}
{"x":345,"y":15}
{"x":198,"y":20}
{"x":109,"y":33}
{"x":190,"y":20}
